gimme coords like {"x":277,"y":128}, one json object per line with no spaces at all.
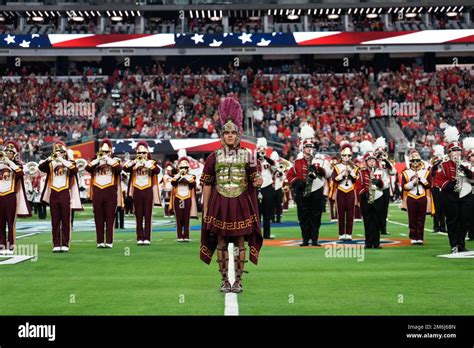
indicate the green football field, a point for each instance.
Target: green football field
{"x":167,"y":278}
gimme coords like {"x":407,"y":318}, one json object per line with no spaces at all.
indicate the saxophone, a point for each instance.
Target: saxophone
{"x":459,"y":175}
{"x":371,"y":198}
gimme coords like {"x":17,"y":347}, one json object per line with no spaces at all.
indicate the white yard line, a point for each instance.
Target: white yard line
{"x":231,"y":304}
{"x":27,"y":235}
{"x":402,"y":224}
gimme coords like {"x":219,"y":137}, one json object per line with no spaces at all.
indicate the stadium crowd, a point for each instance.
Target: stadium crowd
{"x":154,"y":103}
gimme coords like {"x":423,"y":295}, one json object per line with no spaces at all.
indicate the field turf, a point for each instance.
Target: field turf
{"x":167,"y":278}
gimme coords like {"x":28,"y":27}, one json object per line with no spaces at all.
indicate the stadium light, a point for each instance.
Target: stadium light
{"x":380,"y":11}
{"x":355,"y":11}
{"x":37,"y":19}
{"x":451,"y":14}
{"x":420,"y":9}
{"x":98,"y":13}
{"x":108,"y":13}
{"x":410,"y":15}
{"x":215,"y":17}
{"x":78,"y":19}
{"x":442,"y":9}
{"x":2,"y":19}
{"x":461,"y":8}
{"x":430,"y":9}
{"x":116,"y":18}
{"x":252,"y":17}
{"x":299,"y":12}
{"x":339,"y":11}
{"x":333,"y":16}
{"x":139,"y":14}
{"x":436,"y":9}
{"x":372,"y":15}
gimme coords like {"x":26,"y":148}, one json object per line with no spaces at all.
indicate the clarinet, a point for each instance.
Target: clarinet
{"x":309,"y":181}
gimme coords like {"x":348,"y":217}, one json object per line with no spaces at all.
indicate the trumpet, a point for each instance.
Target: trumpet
{"x":55,"y":156}
{"x":140,"y":158}
{"x":100,"y":155}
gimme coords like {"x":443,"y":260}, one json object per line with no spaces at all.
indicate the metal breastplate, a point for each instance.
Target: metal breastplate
{"x":231,"y":176}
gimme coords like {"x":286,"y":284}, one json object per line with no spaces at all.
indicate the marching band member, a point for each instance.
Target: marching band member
{"x":455,"y":190}
{"x":308,"y":178}
{"x":278,"y":179}
{"x":468,"y":144}
{"x":61,"y":192}
{"x":183,"y":199}
{"x":230,"y":210}
{"x":121,"y":210}
{"x":166,"y":186}
{"x":344,"y":178}
{"x":370,"y":191}
{"x":389,"y":172}
{"x":13,"y":200}
{"x":143,"y":187}
{"x":439,"y":217}
{"x":416,"y":197}
{"x":41,"y":206}
{"x":29,"y":172}
{"x":286,"y":192}
{"x":105,"y":192}
{"x":332,"y":193}
{"x":267,"y":190}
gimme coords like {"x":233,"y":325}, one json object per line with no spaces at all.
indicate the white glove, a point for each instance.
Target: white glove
{"x":339,"y":177}
{"x":11,"y":164}
{"x":95,"y":162}
{"x":110,"y":161}
{"x":148,"y":164}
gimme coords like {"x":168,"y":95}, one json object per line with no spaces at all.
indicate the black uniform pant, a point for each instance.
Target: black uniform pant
{"x":266,"y":208}
{"x":310,"y":210}
{"x":385,"y":203}
{"x":278,"y":205}
{"x":119,"y":217}
{"x":470,"y":227}
{"x":41,"y":210}
{"x":373,"y":220}
{"x":439,"y":219}
{"x":458,"y":215}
